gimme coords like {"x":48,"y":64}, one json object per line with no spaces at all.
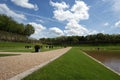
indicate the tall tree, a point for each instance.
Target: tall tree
{"x":29,"y":30}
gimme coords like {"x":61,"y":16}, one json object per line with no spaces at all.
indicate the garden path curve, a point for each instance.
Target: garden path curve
{"x":11,"y":66}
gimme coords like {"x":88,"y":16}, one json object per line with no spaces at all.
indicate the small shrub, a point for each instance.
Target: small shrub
{"x":37,"y":48}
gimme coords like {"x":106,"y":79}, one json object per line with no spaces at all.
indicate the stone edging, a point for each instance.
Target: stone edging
{"x":30,"y":71}
{"x":101,"y":63}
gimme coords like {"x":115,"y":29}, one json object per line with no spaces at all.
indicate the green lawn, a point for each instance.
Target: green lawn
{"x":74,"y":65}
{"x":102,"y":49}
{"x":105,"y":47}
{"x":3,"y":55}
{"x":14,"y":47}
{"x":20,"y":47}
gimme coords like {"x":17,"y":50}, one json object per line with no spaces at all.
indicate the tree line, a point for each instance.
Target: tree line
{"x":10,"y":25}
{"x":95,"y":39}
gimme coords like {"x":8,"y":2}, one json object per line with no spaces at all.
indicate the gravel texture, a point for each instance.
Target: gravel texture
{"x":10,"y":66}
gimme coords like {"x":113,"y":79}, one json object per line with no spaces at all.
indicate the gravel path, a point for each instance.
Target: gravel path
{"x":10,"y":66}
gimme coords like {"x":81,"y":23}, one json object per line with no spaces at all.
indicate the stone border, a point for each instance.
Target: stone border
{"x":30,"y":71}
{"x":101,"y":63}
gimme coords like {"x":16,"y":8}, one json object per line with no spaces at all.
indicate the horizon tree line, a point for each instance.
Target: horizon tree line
{"x":94,"y":39}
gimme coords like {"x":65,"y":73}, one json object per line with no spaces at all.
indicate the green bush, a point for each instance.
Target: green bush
{"x":37,"y":48}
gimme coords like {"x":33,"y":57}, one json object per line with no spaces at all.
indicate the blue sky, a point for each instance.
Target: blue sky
{"x":53,"y":18}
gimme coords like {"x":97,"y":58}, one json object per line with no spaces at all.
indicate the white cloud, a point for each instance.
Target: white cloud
{"x":117,"y":24}
{"x":5,"y":10}
{"x":73,"y":28}
{"x":25,"y":4}
{"x":80,"y":10}
{"x":39,"y":30}
{"x":62,"y":15}
{"x":40,"y":34}
{"x":106,"y":24}
{"x":60,"y":6}
{"x":54,"y":31}
{"x":73,"y":15}
{"x":38,"y":27}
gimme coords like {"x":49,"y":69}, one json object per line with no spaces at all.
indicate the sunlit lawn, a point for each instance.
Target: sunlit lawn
{"x":107,"y":47}
{"x":20,"y":47}
{"x":74,"y":65}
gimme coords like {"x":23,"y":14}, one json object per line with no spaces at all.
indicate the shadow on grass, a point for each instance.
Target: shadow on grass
{"x":5,"y":55}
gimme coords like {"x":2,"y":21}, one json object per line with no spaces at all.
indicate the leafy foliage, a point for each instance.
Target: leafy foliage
{"x":95,"y":39}
{"x":9,"y":25}
{"x":29,"y":30}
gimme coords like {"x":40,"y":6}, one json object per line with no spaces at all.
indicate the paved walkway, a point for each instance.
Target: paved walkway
{"x":11,"y":66}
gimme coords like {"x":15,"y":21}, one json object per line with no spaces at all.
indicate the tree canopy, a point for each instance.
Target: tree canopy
{"x":9,"y":25}
{"x":95,"y":39}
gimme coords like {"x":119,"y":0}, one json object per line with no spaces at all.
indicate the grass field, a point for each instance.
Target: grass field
{"x":74,"y":65}
{"x":102,"y":47}
{"x":14,"y":47}
{"x":20,"y":47}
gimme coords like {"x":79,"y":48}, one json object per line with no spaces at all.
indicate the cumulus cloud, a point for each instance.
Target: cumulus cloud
{"x":61,"y":5}
{"x":73,"y":15}
{"x":117,"y":24}
{"x":40,"y":34}
{"x":54,"y":31}
{"x":39,"y":30}
{"x":38,"y":27}
{"x":5,"y":10}
{"x":73,"y":28}
{"x":25,"y":4}
{"x":79,"y":11}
